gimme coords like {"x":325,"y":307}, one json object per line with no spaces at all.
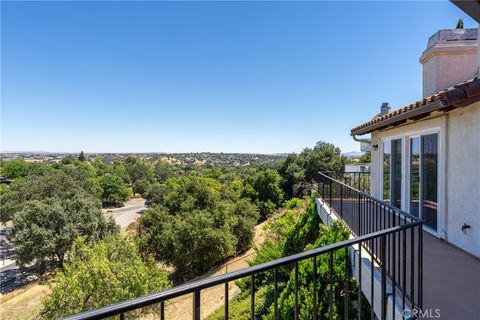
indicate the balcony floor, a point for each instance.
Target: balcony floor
{"x":451,"y":280}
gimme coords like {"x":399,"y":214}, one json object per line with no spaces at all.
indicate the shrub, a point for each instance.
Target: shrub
{"x":109,"y":271}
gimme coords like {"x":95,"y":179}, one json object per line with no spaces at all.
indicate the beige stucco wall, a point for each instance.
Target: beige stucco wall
{"x":459,"y":169}
{"x":443,"y":71}
{"x":463,"y":178}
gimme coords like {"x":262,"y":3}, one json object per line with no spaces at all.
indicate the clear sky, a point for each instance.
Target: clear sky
{"x":206,"y":76}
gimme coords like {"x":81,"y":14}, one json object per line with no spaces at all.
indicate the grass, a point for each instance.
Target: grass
{"x":26,"y":305}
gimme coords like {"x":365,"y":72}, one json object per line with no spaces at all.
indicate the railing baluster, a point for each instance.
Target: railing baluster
{"x":296,"y":291}
{"x":404,"y":271}
{"x":412,"y":267}
{"x":330,"y":268}
{"x":420,"y":267}
{"x":393,"y":274}
{"x":226,"y":300}
{"x":196,"y":305}
{"x":372,"y":288}
{"x":347,"y":278}
{"x":162,"y":310}
{"x":252,"y":297}
{"x":359,"y":281}
{"x":275,"y":294}
{"x":341,"y":202}
{"x":122,"y":316}
{"x":315,"y":312}
{"x":384,"y":276}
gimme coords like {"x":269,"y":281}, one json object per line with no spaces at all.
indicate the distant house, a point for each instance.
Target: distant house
{"x":426,"y":155}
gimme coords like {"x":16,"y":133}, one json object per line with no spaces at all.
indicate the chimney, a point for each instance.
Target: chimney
{"x":450,"y":58}
{"x":385,"y":108}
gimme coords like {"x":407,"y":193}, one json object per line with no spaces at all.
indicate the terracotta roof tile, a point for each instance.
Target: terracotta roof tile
{"x":465,"y":92}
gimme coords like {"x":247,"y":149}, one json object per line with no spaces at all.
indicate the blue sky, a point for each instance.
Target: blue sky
{"x":206,"y":76}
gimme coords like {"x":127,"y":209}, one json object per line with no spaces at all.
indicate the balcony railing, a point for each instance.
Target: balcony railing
{"x":389,"y":227}
{"x":364,"y":214}
{"x":359,"y":180}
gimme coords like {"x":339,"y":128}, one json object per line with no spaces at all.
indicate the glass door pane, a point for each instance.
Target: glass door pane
{"x":396,"y":173}
{"x":386,"y":171}
{"x":430,"y":179}
{"x":415,"y":176}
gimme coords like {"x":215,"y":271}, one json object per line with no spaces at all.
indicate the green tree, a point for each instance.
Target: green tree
{"x":299,"y":172}
{"x":45,"y":230}
{"x":140,"y":170}
{"x":141,"y":187}
{"x":16,"y":168}
{"x":68,"y":160}
{"x":191,"y":243}
{"x":107,"y":272}
{"x":245,"y":216}
{"x":293,"y":175}
{"x":264,"y":190}
{"x":113,"y":189}
{"x":366,"y":157}
{"x":163,"y":171}
{"x":81,"y":156}
{"x":186,"y":193}
{"x":43,"y":185}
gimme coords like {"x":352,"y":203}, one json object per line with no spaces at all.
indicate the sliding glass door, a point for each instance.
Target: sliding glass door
{"x":392,"y":172}
{"x":424,"y":178}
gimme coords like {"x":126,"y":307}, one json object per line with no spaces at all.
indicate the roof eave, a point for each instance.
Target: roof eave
{"x":400,"y":118}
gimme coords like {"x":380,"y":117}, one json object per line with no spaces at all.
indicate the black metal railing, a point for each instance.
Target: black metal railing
{"x":357,"y":180}
{"x":364,"y":214}
{"x":390,"y":243}
{"x":196,"y":287}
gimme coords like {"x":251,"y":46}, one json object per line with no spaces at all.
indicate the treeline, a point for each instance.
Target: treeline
{"x":197,"y":217}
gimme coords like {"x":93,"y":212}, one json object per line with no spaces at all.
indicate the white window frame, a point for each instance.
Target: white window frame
{"x":405,"y":168}
{"x":382,"y":141}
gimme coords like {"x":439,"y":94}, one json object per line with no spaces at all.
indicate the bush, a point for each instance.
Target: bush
{"x":290,"y":234}
{"x":110,"y":271}
{"x":239,"y":308}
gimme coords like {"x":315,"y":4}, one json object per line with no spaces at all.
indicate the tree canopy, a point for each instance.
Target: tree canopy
{"x":299,"y":171}
{"x":109,"y":271}
{"x":45,"y":230}
{"x":113,"y":189}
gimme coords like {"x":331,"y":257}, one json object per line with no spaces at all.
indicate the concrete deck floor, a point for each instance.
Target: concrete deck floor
{"x":451,"y":280}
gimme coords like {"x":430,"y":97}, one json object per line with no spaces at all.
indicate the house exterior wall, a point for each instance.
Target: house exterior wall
{"x":463,"y":178}
{"x":459,"y":172}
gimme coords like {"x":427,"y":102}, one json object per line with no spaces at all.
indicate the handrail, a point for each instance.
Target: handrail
{"x":147,"y":300}
{"x":366,"y":195}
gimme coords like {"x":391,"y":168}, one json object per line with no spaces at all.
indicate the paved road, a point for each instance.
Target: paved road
{"x":127,"y":214}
